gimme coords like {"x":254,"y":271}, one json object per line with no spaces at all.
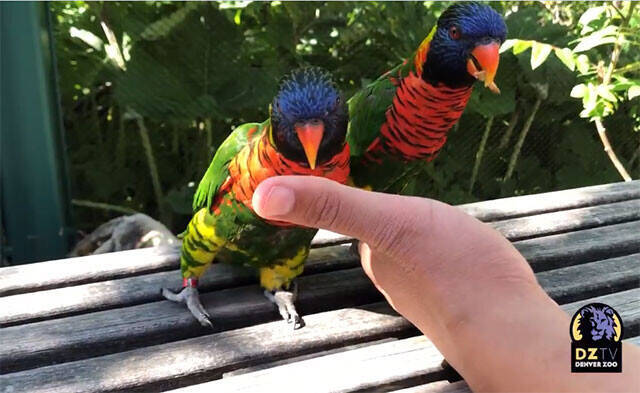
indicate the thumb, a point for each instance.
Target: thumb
{"x":381,"y":220}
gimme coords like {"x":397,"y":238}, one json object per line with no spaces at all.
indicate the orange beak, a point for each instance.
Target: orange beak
{"x":310,"y":135}
{"x":487,"y":58}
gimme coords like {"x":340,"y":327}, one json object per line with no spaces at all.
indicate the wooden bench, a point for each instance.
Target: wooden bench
{"x":99,"y":323}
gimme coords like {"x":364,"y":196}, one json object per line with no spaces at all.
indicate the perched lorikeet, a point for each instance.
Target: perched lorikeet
{"x":402,"y":119}
{"x":305,"y":135}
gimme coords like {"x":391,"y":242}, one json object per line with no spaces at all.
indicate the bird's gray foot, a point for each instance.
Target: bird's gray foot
{"x":284,"y":301}
{"x":189,"y":296}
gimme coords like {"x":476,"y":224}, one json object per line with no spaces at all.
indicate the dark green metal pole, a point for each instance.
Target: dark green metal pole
{"x":34,"y":187}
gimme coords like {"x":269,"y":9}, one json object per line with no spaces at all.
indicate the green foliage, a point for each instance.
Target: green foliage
{"x":194,"y":71}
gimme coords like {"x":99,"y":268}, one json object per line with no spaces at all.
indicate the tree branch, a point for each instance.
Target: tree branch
{"x":153,"y":169}
{"x":602,"y":133}
{"x":480,"y":153}
{"x":606,"y":79}
{"x":542,"y":95}
{"x":515,"y":116}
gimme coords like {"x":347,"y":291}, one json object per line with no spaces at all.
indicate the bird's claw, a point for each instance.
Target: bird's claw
{"x":190,"y":297}
{"x":284,"y":301}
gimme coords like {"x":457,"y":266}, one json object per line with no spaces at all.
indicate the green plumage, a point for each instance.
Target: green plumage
{"x":218,"y":170}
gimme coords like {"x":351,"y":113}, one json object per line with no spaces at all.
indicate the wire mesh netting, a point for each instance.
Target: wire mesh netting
{"x":149,"y":90}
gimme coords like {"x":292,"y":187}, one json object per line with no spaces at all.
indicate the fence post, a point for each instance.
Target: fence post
{"x":34,"y":185}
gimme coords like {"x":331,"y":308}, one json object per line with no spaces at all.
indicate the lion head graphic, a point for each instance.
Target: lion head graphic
{"x":597,"y":324}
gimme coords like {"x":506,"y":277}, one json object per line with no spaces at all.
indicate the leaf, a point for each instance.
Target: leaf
{"x":565,"y":55}
{"x":582,"y":62}
{"x":604,"y":92}
{"x":591,"y":14}
{"x":578,"y":91}
{"x":600,"y":37}
{"x":634,"y":91}
{"x":539,"y":53}
{"x":507,"y":45}
{"x":521,"y":46}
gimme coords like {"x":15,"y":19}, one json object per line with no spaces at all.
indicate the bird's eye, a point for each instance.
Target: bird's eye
{"x":454,"y":32}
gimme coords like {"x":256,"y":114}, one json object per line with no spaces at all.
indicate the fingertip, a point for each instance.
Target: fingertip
{"x":272,"y":200}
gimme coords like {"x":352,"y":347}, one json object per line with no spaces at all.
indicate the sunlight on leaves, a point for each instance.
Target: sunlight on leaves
{"x":565,"y":55}
{"x":539,"y":53}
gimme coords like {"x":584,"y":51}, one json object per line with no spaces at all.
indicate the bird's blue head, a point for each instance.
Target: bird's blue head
{"x":465,"y":46}
{"x":308,"y":117}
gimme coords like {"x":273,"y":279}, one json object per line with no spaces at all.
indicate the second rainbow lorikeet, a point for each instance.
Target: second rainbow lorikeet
{"x":305,"y":135}
{"x":402,"y":119}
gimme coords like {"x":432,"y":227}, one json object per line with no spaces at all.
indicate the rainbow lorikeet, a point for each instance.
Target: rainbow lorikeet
{"x":402,"y":119}
{"x":305,"y":135}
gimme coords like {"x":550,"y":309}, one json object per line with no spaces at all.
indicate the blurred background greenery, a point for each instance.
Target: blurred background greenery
{"x":150,"y":89}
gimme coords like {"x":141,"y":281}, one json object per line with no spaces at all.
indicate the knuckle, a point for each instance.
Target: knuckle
{"x":402,"y":233}
{"x":324,"y":211}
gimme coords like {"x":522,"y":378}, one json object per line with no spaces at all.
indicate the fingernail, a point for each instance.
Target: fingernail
{"x":279,"y":202}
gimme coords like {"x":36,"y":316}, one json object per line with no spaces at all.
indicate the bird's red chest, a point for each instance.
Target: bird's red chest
{"x":259,"y":161}
{"x":419,"y":118}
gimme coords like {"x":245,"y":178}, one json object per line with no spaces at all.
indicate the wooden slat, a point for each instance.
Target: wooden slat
{"x":591,"y":279}
{"x":158,"y":321}
{"x":589,"y":245}
{"x":402,"y":361}
{"x":563,"y":219}
{"x":438,"y":387}
{"x":626,"y":303}
{"x":500,"y":209}
{"x":103,"y":295}
{"x":74,"y":271}
{"x":93,"y":334}
{"x":198,"y":359}
{"x":194,"y":360}
{"x":572,"y":248}
{"x":386,"y":366}
{"x":327,"y":238}
{"x":80,"y":270}
{"x":569,"y":220}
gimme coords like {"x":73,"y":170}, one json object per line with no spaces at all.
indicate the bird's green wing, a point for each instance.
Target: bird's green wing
{"x":218,"y":170}
{"x":367,"y":110}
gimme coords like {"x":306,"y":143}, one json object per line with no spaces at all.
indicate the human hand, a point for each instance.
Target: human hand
{"x":458,"y":280}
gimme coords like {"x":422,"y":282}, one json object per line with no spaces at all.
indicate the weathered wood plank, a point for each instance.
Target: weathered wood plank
{"x":98,"y":333}
{"x":500,"y":209}
{"x":327,"y":238}
{"x":94,"y":268}
{"x":203,"y":358}
{"x":385,"y":366}
{"x":103,"y":295}
{"x":402,"y":361}
{"x":543,"y":253}
{"x":569,"y":220}
{"x":572,"y":248}
{"x":75,"y":271}
{"x":542,"y":223}
{"x":626,"y":303}
{"x":438,"y":387}
{"x":591,"y":279}
{"x":197,"y":359}
{"x":158,"y":321}
{"x":80,"y":270}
